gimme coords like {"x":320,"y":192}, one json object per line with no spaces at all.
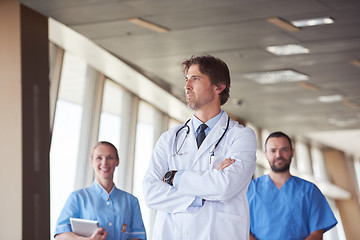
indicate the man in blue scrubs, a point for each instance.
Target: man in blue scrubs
{"x":283,"y":206}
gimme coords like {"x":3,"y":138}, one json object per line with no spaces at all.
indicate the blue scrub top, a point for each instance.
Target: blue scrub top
{"x":291,"y":212}
{"x":118,"y":212}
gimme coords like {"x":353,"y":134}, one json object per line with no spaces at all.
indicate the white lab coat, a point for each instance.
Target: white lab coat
{"x":225,"y":213}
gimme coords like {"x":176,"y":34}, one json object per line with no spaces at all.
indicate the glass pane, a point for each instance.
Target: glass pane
{"x":143,"y":150}
{"x":66,"y":134}
{"x":357,"y":171}
{"x":110,"y":118}
{"x":173,"y":123}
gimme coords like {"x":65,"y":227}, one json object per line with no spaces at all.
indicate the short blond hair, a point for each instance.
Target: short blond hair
{"x":107,"y":144}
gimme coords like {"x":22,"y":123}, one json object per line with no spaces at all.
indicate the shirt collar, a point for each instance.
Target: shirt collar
{"x":103,"y":193}
{"x":211,"y":123}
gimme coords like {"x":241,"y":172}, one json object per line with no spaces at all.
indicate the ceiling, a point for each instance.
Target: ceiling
{"x":237,"y":32}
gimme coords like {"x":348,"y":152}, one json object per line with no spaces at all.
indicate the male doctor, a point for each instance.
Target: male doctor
{"x":198,"y":186}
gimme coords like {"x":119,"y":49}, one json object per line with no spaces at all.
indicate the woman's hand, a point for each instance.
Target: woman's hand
{"x":100,"y":234}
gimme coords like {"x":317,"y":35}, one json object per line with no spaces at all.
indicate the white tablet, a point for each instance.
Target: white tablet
{"x":84,"y":227}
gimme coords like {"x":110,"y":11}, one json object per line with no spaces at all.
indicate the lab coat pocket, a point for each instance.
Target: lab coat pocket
{"x":230,"y":226}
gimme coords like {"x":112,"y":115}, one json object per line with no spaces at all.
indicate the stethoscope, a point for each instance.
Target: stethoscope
{"x":212,"y":150}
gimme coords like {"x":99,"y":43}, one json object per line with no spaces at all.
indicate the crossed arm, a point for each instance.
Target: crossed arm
{"x":224,"y":164}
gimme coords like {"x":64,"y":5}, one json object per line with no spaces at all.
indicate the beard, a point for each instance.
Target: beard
{"x":283,"y":168}
{"x":195,"y":103}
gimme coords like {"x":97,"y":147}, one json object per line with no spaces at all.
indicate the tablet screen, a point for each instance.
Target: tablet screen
{"x":84,"y":227}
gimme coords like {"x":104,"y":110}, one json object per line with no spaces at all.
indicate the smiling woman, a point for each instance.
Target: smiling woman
{"x":104,"y":159}
{"x":117,"y":212}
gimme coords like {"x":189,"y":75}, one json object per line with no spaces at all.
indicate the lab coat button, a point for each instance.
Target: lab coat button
{"x":110,"y":224}
{"x":186,"y":233}
{"x":107,"y":203}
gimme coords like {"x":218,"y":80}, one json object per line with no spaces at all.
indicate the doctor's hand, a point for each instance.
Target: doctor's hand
{"x":224,"y":164}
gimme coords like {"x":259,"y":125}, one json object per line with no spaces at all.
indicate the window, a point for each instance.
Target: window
{"x":145,"y":141}
{"x":173,"y":123}
{"x":115,"y":126}
{"x":66,"y":134}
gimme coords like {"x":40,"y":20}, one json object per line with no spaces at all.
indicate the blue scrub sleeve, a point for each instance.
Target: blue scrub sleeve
{"x":321,"y":214}
{"x":137,"y":229}
{"x":70,"y":209}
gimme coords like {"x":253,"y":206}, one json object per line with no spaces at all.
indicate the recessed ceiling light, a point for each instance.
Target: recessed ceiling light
{"x":312,"y":22}
{"x":277,"y":76}
{"x":330,"y":99}
{"x":352,"y":122}
{"x":149,"y":25}
{"x":290,"y":49}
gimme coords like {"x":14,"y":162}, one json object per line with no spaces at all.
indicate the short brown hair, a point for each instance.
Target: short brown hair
{"x":215,"y":68}
{"x":278,"y":135}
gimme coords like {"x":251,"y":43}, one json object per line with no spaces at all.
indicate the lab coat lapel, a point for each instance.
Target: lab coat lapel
{"x":192,"y":139}
{"x":212,"y":137}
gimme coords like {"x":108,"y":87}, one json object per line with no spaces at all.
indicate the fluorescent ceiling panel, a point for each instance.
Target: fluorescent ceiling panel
{"x":312,"y":22}
{"x":290,"y":49}
{"x":330,"y":99}
{"x":351,"y":122}
{"x":277,"y":76}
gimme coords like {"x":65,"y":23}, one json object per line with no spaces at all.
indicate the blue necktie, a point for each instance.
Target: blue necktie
{"x":201,"y":136}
